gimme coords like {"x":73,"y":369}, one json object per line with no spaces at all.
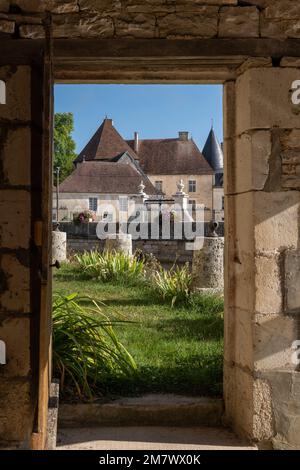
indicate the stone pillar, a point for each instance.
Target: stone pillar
{"x":121,"y":242}
{"x":59,"y":246}
{"x":208,"y":267}
{"x":262,"y":206}
{"x":16,"y":327}
{"x":181,"y":201}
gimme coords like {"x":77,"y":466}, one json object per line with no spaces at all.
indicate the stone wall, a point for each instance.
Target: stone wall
{"x":262,"y":187}
{"x":16,"y":308}
{"x":262,"y":254}
{"x":83,"y":238}
{"x":167,"y":252}
{"x":171,"y":19}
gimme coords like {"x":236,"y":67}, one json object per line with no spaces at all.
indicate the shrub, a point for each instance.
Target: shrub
{"x":111,"y":266}
{"x":83,"y":217}
{"x":174,"y":284}
{"x":85,"y":346}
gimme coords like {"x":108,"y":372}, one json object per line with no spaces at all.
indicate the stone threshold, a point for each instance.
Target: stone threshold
{"x":146,"y":410}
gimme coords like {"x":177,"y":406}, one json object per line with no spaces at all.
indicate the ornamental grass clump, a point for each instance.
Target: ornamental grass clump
{"x":173,"y":285}
{"x":85,"y":346}
{"x":111,"y":266}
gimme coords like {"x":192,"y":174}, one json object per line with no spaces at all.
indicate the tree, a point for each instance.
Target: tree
{"x":64,"y":145}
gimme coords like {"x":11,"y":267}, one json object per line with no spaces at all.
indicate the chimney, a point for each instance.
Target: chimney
{"x":183,"y":135}
{"x":136,"y":142}
{"x":109,"y":121}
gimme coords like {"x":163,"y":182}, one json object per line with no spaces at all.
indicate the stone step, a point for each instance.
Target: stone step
{"x":149,"y":438}
{"x":147,"y":410}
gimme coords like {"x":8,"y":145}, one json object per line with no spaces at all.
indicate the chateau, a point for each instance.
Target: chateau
{"x":109,"y":170}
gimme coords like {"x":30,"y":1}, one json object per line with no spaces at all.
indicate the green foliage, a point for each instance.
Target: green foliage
{"x":64,"y":145}
{"x":111,"y":266}
{"x":207,"y":304}
{"x":85,"y":346}
{"x":177,"y":349}
{"x":174,"y":284}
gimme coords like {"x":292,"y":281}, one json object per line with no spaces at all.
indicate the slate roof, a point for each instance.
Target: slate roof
{"x":212,"y":152}
{"x":105,"y":144}
{"x":106,"y":178}
{"x":171,"y":157}
{"x":100,"y":169}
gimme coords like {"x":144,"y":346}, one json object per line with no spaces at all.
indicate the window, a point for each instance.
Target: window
{"x":93,"y":204}
{"x":222,"y":203}
{"x":123,"y":204}
{"x":107,"y":216}
{"x":158,"y":185}
{"x":192,"y":186}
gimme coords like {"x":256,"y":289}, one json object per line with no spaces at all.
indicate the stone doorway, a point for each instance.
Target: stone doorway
{"x":262,"y":203}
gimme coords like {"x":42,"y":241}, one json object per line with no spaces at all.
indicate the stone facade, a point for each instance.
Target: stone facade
{"x":202,"y":195}
{"x":261,"y":175}
{"x":174,"y":19}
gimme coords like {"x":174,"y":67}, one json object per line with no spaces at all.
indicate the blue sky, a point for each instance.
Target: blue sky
{"x":155,"y":111}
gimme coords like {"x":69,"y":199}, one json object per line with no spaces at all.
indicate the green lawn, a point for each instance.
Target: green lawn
{"x":177,"y":349}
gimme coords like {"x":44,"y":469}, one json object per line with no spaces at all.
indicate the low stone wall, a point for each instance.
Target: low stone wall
{"x":88,"y":230}
{"x":83,"y":238}
{"x":166,"y":251}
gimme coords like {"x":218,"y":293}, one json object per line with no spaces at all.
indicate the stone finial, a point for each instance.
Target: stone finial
{"x":141,"y":188}
{"x":213,"y":225}
{"x":180,"y":186}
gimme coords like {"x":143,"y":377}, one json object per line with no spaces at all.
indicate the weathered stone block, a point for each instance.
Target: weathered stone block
{"x":55,"y":6}
{"x":82,"y":25}
{"x":7,"y":26}
{"x":138,"y":26}
{"x":243,"y":224}
{"x":15,"y":207}
{"x":268,"y":295}
{"x":253,"y":151}
{"x":273,"y":338}
{"x":263,"y":422}
{"x":264,"y":99}
{"x":279,"y":29}
{"x":290,"y":140}
{"x":243,"y":326}
{"x":254,"y":63}
{"x":244,"y":293}
{"x":15,"y":276}
{"x":32,"y":31}
{"x":15,"y":332}
{"x":18,"y":102}
{"x":290,"y":62}
{"x":201,"y":24}
{"x":108,"y":6}
{"x":292,"y":281}
{"x":201,"y":2}
{"x":287,"y":9}
{"x":242,"y":393}
{"x":241,"y":22}
{"x":276,"y":220}
{"x":285,"y":387}
{"x":16,"y":415}
{"x":15,"y":153}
